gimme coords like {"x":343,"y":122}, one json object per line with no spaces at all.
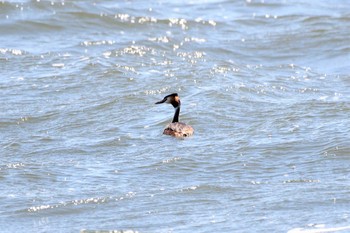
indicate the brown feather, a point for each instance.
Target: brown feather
{"x":178,"y":129}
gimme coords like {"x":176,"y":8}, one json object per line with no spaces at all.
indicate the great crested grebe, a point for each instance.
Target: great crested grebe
{"x":176,"y":128}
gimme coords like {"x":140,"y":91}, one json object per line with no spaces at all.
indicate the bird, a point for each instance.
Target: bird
{"x":176,"y":128}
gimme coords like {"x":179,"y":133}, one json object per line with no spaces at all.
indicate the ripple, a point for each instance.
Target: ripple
{"x":86,"y":201}
{"x":265,"y":85}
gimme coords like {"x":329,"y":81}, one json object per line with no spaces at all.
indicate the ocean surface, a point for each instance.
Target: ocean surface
{"x":264,"y":83}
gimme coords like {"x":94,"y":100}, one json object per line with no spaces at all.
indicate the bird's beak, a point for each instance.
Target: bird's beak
{"x":162,"y":101}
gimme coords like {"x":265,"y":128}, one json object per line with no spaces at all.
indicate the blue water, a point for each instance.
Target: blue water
{"x":265,"y":85}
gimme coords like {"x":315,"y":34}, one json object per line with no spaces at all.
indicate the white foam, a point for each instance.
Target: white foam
{"x":320,"y":229}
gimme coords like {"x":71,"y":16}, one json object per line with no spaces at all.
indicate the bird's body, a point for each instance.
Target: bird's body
{"x":176,"y":128}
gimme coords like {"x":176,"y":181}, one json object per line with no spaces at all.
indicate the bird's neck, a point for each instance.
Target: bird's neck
{"x":176,"y":115}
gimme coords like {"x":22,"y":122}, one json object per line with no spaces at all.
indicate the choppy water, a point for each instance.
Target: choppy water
{"x":265,"y":84}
